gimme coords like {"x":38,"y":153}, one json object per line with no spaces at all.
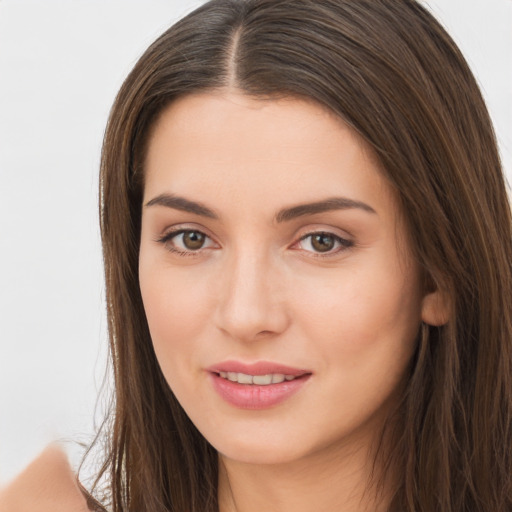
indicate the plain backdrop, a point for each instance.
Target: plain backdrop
{"x":61,"y":64}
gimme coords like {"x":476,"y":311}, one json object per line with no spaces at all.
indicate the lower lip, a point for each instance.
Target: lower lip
{"x":252,"y":396}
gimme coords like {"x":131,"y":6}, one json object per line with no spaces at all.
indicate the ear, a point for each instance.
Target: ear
{"x":436,"y":308}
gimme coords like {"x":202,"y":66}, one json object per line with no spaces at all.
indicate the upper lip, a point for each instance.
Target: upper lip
{"x":258,"y":368}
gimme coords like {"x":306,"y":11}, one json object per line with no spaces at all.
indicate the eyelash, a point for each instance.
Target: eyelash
{"x":167,"y":237}
{"x":344,"y":243}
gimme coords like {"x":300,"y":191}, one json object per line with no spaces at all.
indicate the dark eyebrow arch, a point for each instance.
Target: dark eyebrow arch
{"x":180,"y":203}
{"x":333,"y":203}
{"x":287,"y":214}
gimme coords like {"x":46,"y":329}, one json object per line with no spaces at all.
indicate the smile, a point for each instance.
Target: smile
{"x":256,"y":386}
{"x":258,"y":380}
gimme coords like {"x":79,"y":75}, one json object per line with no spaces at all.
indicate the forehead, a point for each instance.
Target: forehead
{"x":252,"y":151}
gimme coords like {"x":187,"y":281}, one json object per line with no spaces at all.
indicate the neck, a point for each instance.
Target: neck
{"x":332,"y":480}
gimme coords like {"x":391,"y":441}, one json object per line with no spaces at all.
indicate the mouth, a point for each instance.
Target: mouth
{"x":257,"y":380}
{"x":258,"y":385}
{"x":261,"y":373}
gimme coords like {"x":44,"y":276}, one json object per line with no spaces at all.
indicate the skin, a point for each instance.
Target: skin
{"x":259,"y":290}
{"x":46,"y":485}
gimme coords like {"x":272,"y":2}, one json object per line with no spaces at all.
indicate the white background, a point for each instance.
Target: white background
{"x":61,"y":64}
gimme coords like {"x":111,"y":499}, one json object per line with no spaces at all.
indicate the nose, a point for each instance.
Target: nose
{"x":251,"y":302}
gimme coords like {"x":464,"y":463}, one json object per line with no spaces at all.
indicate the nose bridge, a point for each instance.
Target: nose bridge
{"x":249,"y":302}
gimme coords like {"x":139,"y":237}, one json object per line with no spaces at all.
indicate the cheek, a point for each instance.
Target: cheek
{"x":177,"y":311}
{"x":363,"y":331}
{"x":357,"y":314}
{"x":170,"y":298}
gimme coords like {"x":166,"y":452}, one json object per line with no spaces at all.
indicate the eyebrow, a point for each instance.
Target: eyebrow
{"x":180,"y":203}
{"x":284,"y":215}
{"x":326,"y":205}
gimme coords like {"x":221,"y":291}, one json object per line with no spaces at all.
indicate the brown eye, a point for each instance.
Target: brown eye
{"x":322,"y":242}
{"x":193,"y":240}
{"x":186,"y":242}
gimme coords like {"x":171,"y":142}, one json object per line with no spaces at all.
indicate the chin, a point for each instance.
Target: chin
{"x":274,"y":447}
{"x":260,"y":455}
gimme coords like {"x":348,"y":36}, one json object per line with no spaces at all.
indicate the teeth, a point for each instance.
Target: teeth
{"x":245,"y":379}
{"x":260,"y":380}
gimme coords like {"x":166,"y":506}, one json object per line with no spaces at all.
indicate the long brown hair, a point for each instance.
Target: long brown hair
{"x":390,"y":71}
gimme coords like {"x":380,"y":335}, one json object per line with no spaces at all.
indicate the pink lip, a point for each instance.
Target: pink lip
{"x":251,"y":396}
{"x":259,"y":368}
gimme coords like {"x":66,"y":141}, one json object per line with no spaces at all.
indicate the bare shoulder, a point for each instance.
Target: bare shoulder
{"x":47,"y":484}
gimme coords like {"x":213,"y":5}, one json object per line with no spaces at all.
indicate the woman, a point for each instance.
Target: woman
{"x":307,"y":246}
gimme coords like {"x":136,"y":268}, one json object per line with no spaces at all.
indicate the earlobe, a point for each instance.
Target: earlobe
{"x":436,"y":308}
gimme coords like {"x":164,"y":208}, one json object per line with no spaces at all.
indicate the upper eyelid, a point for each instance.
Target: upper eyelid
{"x":324,"y":232}
{"x":330,"y":230}
{"x":306,"y":228}
{"x":177,"y":229}
{"x":340,"y":239}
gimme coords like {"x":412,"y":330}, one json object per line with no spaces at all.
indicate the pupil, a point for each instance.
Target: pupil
{"x":322,"y":243}
{"x":193,"y":240}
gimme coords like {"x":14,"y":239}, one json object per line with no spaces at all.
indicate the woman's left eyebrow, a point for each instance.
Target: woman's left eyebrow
{"x":332,"y":203}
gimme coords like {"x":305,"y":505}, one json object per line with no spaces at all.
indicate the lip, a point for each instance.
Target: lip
{"x":258,"y":368}
{"x":251,"y":396}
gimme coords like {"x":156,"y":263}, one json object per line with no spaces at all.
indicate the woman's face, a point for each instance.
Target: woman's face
{"x":282,"y":300}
